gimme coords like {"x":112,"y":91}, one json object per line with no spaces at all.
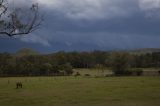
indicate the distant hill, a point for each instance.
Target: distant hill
{"x":26,"y":52}
{"x":145,"y":50}
{"x":139,"y":51}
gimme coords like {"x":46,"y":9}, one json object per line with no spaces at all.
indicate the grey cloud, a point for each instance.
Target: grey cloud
{"x":97,"y":24}
{"x":90,"y":9}
{"x":36,"y":39}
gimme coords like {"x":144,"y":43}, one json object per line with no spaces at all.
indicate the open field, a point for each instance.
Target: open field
{"x":98,"y":72}
{"x":93,"y":72}
{"x":81,"y":91}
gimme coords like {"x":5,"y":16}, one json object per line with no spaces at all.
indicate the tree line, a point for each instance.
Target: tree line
{"x":62,"y":63}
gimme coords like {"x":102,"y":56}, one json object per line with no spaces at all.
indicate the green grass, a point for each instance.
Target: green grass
{"x":81,"y":91}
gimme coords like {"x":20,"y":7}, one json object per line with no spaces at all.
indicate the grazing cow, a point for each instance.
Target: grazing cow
{"x":19,"y":84}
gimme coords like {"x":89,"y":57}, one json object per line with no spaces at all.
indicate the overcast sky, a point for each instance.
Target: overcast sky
{"x":91,"y":25}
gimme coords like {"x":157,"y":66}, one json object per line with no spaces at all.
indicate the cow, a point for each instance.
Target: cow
{"x":19,"y":85}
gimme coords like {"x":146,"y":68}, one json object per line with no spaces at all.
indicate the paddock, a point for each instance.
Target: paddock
{"x":81,"y":91}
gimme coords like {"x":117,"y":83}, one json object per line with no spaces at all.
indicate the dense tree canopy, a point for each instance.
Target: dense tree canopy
{"x":62,"y":63}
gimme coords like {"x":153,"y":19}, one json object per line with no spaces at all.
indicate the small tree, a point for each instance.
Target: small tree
{"x":120,"y":63}
{"x":67,"y":68}
{"x":100,"y":68}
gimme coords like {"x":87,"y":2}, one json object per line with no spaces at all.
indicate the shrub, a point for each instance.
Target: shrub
{"x":109,"y":75}
{"x":122,"y":72}
{"x":77,"y":74}
{"x":67,"y":68}
{"x":137,"y":72}
{"x":120,"y":63}
{"x":87,"y":75}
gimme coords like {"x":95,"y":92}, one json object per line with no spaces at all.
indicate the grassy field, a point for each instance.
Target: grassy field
{"x":81,"y":91}
{"x":107,"y":71}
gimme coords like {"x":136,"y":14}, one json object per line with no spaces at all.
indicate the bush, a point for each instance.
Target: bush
{"x":122,"y":72}
{"x":77,"y":74}
{"x":87,"y":75}
{"x":109,"y":75}
{"x":67,"y":68}
{"x":137,"y":72}
{"x":120,"y":63}
{"x":129,"y":72}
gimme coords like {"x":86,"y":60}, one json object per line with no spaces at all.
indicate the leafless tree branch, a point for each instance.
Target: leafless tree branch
{"x":16,"y":22}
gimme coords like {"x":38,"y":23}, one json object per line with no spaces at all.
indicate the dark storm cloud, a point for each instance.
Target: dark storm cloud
{"x":97,"y":24}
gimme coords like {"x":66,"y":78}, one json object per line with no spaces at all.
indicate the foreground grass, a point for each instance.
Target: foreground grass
{"x":81,"y":91}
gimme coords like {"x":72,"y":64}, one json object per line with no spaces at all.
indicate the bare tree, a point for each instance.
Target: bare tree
{"x":18,"y":21}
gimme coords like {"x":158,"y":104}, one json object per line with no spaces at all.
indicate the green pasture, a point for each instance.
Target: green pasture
{"x":80,"y":91}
